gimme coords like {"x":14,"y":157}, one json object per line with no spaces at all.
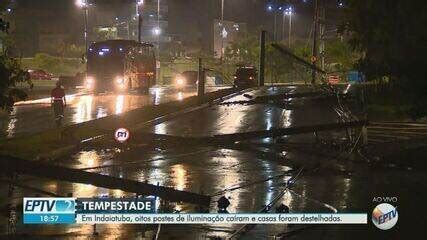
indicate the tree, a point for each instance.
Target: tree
{"x":105,"y":33}
{"x":391,"y":37}
{"x":245,"y":51}
{"x":10,"y":71}
{"x":340,"y":55}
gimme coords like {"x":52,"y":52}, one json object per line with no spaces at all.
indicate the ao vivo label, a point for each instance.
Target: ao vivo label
{"x":49,"y":210}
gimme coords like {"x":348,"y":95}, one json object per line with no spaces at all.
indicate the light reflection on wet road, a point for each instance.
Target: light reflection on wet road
{"x":211,"y":170}
{"x":36,"y":115}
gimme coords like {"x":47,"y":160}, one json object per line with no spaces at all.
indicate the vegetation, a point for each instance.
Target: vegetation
{"x":105,"y":33}
{"x":66,"y":50}
{"x":55,"y":65}
{"x":391,"y":34}
{"x":279,"y":68}
{"x":10,"y":70}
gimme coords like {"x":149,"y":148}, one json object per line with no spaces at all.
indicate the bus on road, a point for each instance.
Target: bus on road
{"x":120,"y":65}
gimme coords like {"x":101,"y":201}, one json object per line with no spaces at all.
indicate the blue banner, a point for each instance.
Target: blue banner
{"x":64,"y":210}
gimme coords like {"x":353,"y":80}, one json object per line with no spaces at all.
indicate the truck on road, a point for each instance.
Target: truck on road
{"x":120,"y":65}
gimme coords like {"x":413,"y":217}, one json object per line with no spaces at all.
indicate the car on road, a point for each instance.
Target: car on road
{"x":245,"y":77}
{"x":186,"y":78}
{"x":39,"y":74}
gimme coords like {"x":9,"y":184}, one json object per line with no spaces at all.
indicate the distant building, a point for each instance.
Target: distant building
{"x":224,"y":33}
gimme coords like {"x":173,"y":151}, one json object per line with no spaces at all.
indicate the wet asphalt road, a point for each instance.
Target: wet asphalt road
{"x":37,"y":115}
{"x":245,"y":176}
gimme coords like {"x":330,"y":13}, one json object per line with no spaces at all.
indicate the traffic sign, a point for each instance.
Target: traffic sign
{"x":333,"y":79}
{"x":121,"y":135}
{"x":313,"y":59}
{"x":355,"y":77}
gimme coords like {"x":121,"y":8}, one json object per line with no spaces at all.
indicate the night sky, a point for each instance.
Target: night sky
{"x":186,"y":18}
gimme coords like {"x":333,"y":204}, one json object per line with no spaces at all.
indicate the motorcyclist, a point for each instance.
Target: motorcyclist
{"x":58,"y":102}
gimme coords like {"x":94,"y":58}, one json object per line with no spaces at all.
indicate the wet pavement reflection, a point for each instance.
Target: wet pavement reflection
{"x":36,"y":115}
{"x":249,"y":178}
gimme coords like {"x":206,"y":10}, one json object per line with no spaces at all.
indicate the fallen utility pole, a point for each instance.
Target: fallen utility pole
{"x":235,"y":137}
{"x":10,"y":164}
{"x":290,"y":95}
{"x":277,"y":132}
{"x":283,"y":97}
{"x":298,"y":59}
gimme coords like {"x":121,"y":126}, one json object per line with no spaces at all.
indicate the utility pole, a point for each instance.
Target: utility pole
{"x":275,"y":25}
{"x":222,"y":10}
{"x":221,"y":30}
{"x":158,"y":72}
{"x":322,"y":48}
{"x":128,"y":29}
{"x":283,"y":25}
{"x":139,"y":15}
{"x":158,"y":25}
{"x":262,"y":58}
{"x":201,"y":81}
{"x":86,"y":33}
{"x":83,"y":4}
{"x":290,"y":29}
{"x":315,"y":35}
{"x":139,"y":26}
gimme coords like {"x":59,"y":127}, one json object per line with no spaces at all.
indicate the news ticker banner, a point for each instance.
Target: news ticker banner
{"x":68,"y":210}
{"x":142,"y":211}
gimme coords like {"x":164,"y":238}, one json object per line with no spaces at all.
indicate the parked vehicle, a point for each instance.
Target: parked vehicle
{"x":245,"y":77}
{"x":38,"y":74}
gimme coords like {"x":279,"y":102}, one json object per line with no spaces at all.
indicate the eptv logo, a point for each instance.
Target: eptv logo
{"x":384,"y":216}
{"x":49,"y":205}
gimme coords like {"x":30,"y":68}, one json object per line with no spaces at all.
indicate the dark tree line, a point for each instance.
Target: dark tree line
{"x":10,"y":70}
{"x":391,"y":36}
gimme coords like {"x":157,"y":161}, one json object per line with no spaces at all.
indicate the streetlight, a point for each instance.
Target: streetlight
{"x":223,"y":32}
{"x":84,"y":5}
{"x":157,"y":31}
{"x":289,"y":12}
{"x":139,"y":3}
{"x":272,"y":8}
